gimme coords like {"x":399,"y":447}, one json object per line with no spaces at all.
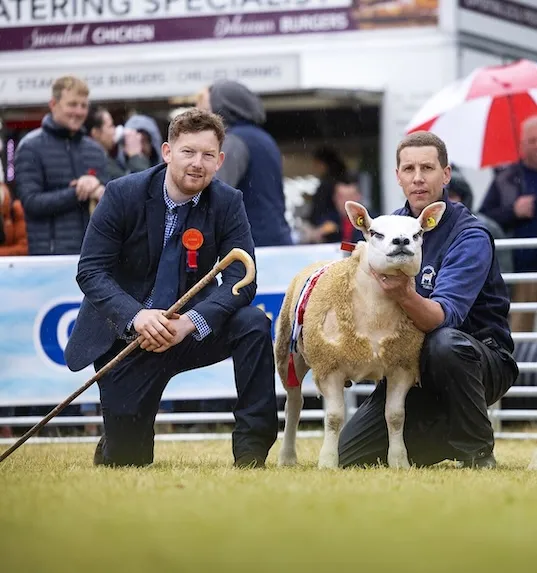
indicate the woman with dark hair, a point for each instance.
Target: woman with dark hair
{"x":328,"y":167}
{"x":322,"y":222}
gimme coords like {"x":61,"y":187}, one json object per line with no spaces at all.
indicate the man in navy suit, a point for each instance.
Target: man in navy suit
{"x":133,"y":266}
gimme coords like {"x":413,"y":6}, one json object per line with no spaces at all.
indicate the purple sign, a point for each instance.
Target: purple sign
{"x":76,"y":35}
{"x":198,"y":28}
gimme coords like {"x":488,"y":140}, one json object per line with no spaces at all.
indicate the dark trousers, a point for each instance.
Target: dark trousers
{"x":131,"y":392}
{"x":446,"y":417}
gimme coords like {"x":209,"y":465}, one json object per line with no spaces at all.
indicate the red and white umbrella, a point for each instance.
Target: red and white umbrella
{"x":479,"y":117}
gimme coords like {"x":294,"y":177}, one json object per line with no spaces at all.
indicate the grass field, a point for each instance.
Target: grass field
{"x":192,"y":512}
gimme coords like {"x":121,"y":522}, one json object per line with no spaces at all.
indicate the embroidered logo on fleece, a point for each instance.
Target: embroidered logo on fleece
{"x":427,"y":277}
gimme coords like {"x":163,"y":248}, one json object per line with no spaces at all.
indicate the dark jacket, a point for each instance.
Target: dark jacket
{"x":500,"y":198}
{"x":487,"y":315}
{"x":121,"y":252}
{"x":509,"y":184}
{"x":253,"y":162}
{"x":46,"y":161}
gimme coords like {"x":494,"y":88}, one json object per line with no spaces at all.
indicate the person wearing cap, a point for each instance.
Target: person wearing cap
{"x":253,"y":160}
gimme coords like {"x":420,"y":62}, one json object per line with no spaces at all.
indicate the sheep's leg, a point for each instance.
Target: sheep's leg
{"x":332,"y":390}
{"x":293,"y":407}
{"x":397,"y":389}
{"x":533,"y":463}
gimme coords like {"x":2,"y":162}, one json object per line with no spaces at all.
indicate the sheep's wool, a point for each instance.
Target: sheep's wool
{"x":335,"y":291}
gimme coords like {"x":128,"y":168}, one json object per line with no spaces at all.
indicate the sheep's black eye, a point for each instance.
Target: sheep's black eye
{"x":417,"y":235}
{"x":379,"y":236}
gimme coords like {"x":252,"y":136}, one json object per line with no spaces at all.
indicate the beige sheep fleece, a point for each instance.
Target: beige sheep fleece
{"x":336,"y":291}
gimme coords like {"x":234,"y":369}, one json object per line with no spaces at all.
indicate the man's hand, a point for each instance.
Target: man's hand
{"x":183,"y":326}
{"x":97,"y":193}
{"x":85,"y":186}
{"x":159,"y":332}
{"x":524,"y":207}
{"x":132,"y":142}
{"x":397,"y":287}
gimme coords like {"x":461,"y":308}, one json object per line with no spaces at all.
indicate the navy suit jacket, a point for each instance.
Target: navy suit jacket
{"x":121,"y":251}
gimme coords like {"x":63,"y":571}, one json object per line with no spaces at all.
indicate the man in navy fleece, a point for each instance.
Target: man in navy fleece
{"x":461,"y":303}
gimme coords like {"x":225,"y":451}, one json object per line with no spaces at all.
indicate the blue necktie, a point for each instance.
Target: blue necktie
{"x":166,"y":287}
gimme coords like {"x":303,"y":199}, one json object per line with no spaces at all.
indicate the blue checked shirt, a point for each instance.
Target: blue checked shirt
{"x":202,"y":328}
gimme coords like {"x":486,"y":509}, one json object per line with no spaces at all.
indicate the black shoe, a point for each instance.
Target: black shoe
{"x":484,"y":463}
{"x":250,"y":461}
{"x":98,"y":457}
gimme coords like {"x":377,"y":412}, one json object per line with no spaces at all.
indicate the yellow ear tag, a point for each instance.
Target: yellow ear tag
{"x":431,"y":222}
{"x":360,"y":221}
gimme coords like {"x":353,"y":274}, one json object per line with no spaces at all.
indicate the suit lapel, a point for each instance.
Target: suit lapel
{"x":196,"y":220}
{"x":155,"y":212}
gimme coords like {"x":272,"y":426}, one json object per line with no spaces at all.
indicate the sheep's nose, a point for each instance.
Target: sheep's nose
{"x":401,"y":241}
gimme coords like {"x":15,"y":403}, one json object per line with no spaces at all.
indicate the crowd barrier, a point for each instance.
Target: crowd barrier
{"x":39,"y":302}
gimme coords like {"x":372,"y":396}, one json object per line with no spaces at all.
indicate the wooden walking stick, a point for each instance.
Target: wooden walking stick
{"x":232,"y":256}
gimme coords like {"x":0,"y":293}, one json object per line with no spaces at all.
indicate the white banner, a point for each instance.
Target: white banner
{"x":20,"y":13}
{"x":160,"y":79}
{"x":40,"y":301}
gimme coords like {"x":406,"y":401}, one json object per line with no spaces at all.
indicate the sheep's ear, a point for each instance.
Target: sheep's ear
{"x":431,"y":215}
{"x":358,"y":216}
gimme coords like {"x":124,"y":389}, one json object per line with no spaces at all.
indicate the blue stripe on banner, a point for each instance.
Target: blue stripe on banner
{"x":40,"y":302}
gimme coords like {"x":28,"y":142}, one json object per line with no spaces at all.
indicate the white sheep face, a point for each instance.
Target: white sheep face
{"x":395,"y":241}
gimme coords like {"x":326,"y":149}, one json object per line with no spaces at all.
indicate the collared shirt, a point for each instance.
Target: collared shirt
{"x":203,"y":329}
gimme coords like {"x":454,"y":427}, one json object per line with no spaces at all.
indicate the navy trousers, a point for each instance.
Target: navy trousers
{"x":446,"y":417}
{"x":131,"y":392}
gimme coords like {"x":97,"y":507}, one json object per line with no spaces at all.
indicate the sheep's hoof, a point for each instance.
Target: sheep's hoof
{"x":330,"y":461}
{"x":287,"y":459}
{"x":398,"y":462}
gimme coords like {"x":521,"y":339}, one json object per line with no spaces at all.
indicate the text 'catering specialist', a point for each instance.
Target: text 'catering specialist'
{"x":49,"y":12}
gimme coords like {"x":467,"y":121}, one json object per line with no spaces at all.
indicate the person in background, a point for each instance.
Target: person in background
{"x":329,"y":168}
{"x":13,"y":239}
{"x":335,"y":226}
{"x":459,"y":191}
{"x":139,"y":147}
{"x":253,"y":160}
{"x":510,"y":201}
{"x":58,"y":170}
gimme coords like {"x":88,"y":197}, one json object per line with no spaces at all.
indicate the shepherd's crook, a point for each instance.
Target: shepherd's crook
{"x":233,"y":255}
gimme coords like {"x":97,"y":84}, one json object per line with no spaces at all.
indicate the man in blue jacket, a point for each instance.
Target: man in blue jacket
{"x":58,"y":171}
{"x":134,"y":265}
{"x":461,"y":304}
{"x":254,"y":162}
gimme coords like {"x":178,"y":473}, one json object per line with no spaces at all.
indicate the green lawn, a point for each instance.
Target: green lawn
{"x":192,"y":512}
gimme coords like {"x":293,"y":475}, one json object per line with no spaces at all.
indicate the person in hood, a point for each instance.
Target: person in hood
{"x":253,"y":160}
{"x":140,"y":145}
{"x":58,"y":172}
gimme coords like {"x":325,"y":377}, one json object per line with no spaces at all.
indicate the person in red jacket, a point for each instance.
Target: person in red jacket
{"x":13,"y":240}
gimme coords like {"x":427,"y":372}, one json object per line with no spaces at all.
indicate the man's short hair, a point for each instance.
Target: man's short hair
{"x":95,"y":118}
{"x":196,"y":120}
{"x":424,"y":139}
{"x":69,"y":83}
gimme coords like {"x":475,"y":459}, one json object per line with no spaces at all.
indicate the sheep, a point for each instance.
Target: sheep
{"x":352,"y":330}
